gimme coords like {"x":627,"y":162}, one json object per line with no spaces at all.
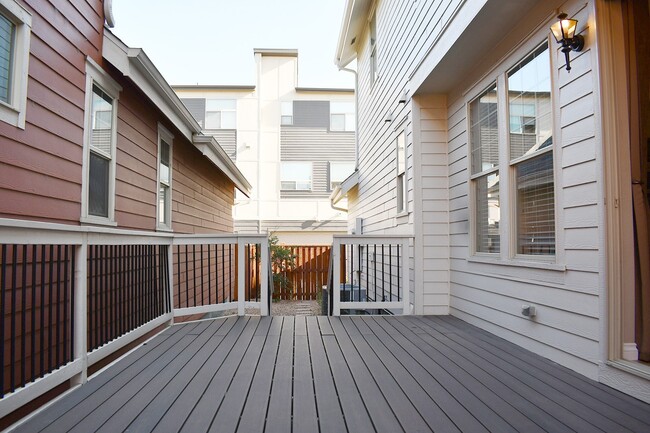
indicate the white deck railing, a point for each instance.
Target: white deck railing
{"x":101,"y":265}
{"x":370,"y":273}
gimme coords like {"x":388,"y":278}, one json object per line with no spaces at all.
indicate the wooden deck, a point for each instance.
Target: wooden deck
{"x":361,"y":374}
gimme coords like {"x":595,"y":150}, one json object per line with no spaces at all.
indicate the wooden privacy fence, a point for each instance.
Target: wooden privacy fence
{"x":308,"y":276}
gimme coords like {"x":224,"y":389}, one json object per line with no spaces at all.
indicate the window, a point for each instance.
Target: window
{"x":402,"y":187}
{"x":165,"y":139}
{"x":531,"y":152}
{"x":342,"y":116}
{"x":98,"y":188}
{"x":339,"y":171}
{"x":286,"y":113}
{"x":524,"y":140}
{"x":15,"y":31}
{"x":295,"y":176}
{"x":484,"y":145}
{"x":220,"y":114}
{"x":374,"y":70}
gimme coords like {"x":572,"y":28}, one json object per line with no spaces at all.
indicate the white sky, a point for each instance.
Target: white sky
{"x":212,"y":41}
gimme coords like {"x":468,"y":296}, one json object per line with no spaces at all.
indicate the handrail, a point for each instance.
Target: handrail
{"x":386,"y":273}
{"x":100,"y":259}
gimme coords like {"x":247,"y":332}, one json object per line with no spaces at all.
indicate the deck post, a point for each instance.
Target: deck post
{"x":241,"y":276}
{"x":336,"y":278}
{"x":170,"y":267}
{"x":81,"y":310}
{"x":264,"y":283}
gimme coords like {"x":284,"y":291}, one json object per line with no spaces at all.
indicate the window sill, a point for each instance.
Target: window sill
{"x":402,"y":217}
{"x":11,"y":115}
{"x":632,"y":367}
{"x":97,"y":221}
{"x":164,"y":229}
{"x":517,"y":263}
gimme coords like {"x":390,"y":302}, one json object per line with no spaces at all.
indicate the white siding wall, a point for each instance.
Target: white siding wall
{"x":567,"y":328}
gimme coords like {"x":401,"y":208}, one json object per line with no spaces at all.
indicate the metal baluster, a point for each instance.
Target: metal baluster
{"x":23,"y":299}
{"x":33,"y":316}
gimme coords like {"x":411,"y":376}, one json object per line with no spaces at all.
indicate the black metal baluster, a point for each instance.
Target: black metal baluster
{"x":122,"y":276}
{"x":65,"y":303}
{"x":51,"y":295}
{"x":390,"y":270}
{"x":223,"y":272}
{"x":114,"y":291}
{"x":367,"y":248}
{"x":42,"y":328}
{"x":187,"y":279}
{"x":32,"y":340}
{"x":58,"y":305}
{"x":399,"y":280}
{"x":3,"y":287}
{"x":23,"y":319}
{"x":383,"y":271}
{"x":210,"y":277}
{"x":12,"y":343}
{"x":178,"y":274}
{"x":72,"y":301}
{"x":90,"y":294}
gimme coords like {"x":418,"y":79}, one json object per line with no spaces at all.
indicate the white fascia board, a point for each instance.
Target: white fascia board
{"x":134,"y":64}
{"x":211,"y":149}
{"x":352,"y":24}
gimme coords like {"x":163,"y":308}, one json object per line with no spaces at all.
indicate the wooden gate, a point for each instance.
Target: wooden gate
{"x":309,"y":275}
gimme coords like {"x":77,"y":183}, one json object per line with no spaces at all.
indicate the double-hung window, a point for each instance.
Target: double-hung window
{"x":402,"y":186}
{"x":295,"y":176}
{"x":164,"y":216}
{"x":531,"y":152}
{"x":98,"y":188}
{"x":15,"y":31}
{"x":513,"y":155}
{"x":484,"y":144}
{"x":342,"y":116}
{"x":220,"y":114}
{"x":374,"y":68}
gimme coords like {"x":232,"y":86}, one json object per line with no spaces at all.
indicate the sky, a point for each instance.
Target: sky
{"x":212,"y":41}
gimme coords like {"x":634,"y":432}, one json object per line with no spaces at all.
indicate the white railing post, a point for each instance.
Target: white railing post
{"x":80,"y":312}
{"x":264,"y":286}
{"x":170,"y":263}
{"x":241,"y":276}
{"x":336,"y":278}
{"x":406,"y":276}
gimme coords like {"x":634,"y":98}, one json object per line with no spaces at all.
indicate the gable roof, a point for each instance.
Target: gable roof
{"x":355,"y":18}
{"x":136,"y":65}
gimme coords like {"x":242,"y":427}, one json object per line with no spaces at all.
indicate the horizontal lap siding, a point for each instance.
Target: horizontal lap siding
{"x":319,"y":146}
{"x":567,"y":326}
{"x":40,"y":173}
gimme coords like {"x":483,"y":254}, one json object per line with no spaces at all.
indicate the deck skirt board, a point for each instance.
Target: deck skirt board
{"x":337,"y":374}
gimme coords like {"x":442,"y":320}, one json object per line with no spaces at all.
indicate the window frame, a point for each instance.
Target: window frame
{"x":13,"y":111}
{"x":474,"y":177}
{"x":96,"y":76}
{"x":311,"y":176}
{"x":349,"y":124}
{"x":401,"y":177}
{"x":507,"y":168}
{"x":329,"y":172}
{"x":167,"y":137}
{"x":220,"y":111}
{"x":372,"y":39}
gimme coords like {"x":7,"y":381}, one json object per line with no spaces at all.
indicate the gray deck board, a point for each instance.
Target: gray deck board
{"x":355,"y":374}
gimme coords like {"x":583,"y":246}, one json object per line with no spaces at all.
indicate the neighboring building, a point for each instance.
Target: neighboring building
{"x":93,"y":135}
{"x":295,"y":144}
{"x":513,"y":174}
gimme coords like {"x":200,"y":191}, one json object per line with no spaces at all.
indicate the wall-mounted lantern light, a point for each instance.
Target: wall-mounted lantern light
{"x":389,"y":117}
{"x":564,"y":31}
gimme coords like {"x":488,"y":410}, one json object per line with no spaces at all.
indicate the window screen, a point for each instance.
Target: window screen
{"x":7,"y":31}
{"x":98,"y":185}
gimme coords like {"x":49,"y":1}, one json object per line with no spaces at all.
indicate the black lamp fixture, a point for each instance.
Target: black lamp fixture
{"x":564,"y":31}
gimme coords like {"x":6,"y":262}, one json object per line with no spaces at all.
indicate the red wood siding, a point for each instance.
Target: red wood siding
{"x":40,"y":174}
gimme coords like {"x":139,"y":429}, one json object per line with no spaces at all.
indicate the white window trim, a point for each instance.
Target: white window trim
{"x":508,"y":254}
{"x":405,"y":190}
{"x":13,"y":112}
{"x":311,"y":169}
{"x":168,"y":137}
{"x":282,"y":115}
{"x":96,"y":75}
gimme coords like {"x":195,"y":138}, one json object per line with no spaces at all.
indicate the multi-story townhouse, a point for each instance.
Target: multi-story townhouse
{"x":295,"y":144}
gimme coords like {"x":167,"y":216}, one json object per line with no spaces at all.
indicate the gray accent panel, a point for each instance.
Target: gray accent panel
{"x":312,"y":114}
{"x":227,"y":138}
{"x":196,"y":106}
{"x":318,"y":146}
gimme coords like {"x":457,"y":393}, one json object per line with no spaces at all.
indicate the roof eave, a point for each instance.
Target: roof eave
{"x":211,"y":149}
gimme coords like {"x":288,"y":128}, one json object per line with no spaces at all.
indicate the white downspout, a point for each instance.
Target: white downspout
{"x":356,"y":115}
